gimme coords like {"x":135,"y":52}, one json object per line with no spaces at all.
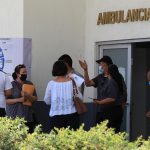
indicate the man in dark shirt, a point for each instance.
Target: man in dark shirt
{"x":100,"y":82}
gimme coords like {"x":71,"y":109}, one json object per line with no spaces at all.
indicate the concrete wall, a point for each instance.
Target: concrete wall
{"x":11,"y":18}
{"x":56,"y":27}
{"x":115,"y":31}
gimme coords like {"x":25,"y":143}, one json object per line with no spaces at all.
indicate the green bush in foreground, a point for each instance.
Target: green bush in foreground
{"x":12,"y":133}
{"x":14,"y":136}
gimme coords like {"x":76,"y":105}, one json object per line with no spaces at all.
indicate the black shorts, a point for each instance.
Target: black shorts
{"x":2,"y":112}
{"x":69,"y":120}
{"x":114,"y":115}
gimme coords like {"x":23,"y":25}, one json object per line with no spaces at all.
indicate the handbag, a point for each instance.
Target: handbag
{"x":79,"y":104}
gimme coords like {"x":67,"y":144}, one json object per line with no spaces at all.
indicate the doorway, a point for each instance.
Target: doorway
{"x":140,"y":95}
{"x":133,"y":62}
{"x":121,"y":56}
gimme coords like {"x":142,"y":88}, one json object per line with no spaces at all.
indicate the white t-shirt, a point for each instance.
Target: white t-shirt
{"x":60,"y":96}
{"x":5,"y":84}
{"x":78,"y":80}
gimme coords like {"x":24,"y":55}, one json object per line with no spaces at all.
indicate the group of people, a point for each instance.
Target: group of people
{"x":111,"y":94}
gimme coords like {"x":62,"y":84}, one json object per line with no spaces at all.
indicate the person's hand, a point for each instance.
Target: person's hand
{"x":21,"y":100}
{"x":22,"y":93}
{"x":148,"y":114}
{"x":83,"y":65}
{"x":25,"y":95}
{"x":96,"y":101}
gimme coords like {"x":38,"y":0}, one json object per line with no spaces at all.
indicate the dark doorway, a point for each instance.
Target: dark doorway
{"x":140,"y":92}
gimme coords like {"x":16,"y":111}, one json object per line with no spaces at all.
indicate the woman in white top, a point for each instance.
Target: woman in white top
{"x":59,"y":94}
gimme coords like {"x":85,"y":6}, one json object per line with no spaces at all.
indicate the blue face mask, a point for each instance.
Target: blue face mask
{"x":100,"y":70}
{"x":148,"y":83}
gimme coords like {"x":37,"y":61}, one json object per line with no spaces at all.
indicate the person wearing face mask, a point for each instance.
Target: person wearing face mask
{"x":110,"y":102}
{"x":100,"y":82}
{"x":100,"y":70}
{"x":15,"y":106}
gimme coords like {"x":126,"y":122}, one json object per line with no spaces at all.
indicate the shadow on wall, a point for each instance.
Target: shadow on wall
{"x":41,"y":116}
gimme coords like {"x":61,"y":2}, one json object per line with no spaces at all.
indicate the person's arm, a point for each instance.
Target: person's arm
{"x":8,"y":87}
{"x":104,"y":101}
{"x":47,"y":97}
{"x":16,"y":100}
{"x":88,"y":81}
{"x":8,"y":93}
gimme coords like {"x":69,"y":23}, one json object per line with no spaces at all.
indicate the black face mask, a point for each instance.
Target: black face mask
{"x":23,"y":77}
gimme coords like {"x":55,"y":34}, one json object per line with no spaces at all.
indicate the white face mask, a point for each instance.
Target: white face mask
{"x":100,"y":70}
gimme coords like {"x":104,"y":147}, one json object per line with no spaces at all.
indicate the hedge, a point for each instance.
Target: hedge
{"x":14,"y":136}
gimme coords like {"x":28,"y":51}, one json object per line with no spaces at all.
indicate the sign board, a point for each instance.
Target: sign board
{"x":14,"y":51}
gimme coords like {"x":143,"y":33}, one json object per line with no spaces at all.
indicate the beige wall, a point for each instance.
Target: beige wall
{"x":11,"y":18}
{"x":56,"y":27}
{"x":115,"y":31}
{"x":66,"y":26}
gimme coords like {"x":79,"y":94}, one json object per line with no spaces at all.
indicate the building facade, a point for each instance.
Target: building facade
{"x":87,"y":29}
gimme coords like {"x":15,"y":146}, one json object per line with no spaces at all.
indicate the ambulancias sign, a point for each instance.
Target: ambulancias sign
{"x":120,"y":16}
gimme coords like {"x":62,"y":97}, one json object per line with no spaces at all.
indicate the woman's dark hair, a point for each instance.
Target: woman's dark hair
{"x":115,"y":74}
{"x":59,"y":68}
{"x":67,"y":59}
{"x":17,"y":70}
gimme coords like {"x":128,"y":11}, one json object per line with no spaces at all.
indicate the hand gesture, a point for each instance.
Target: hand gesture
{"x":83,"y":65}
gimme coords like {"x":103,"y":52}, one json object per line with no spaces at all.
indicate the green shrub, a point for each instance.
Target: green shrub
{"x":14,"y":136}
{"x":12,"y":132}
{"x":98,"y":138}
{"x":38,"y":141}
{"x":145,"y":145}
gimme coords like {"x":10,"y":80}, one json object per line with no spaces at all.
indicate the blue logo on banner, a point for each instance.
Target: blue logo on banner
{"x":1,"y":60}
